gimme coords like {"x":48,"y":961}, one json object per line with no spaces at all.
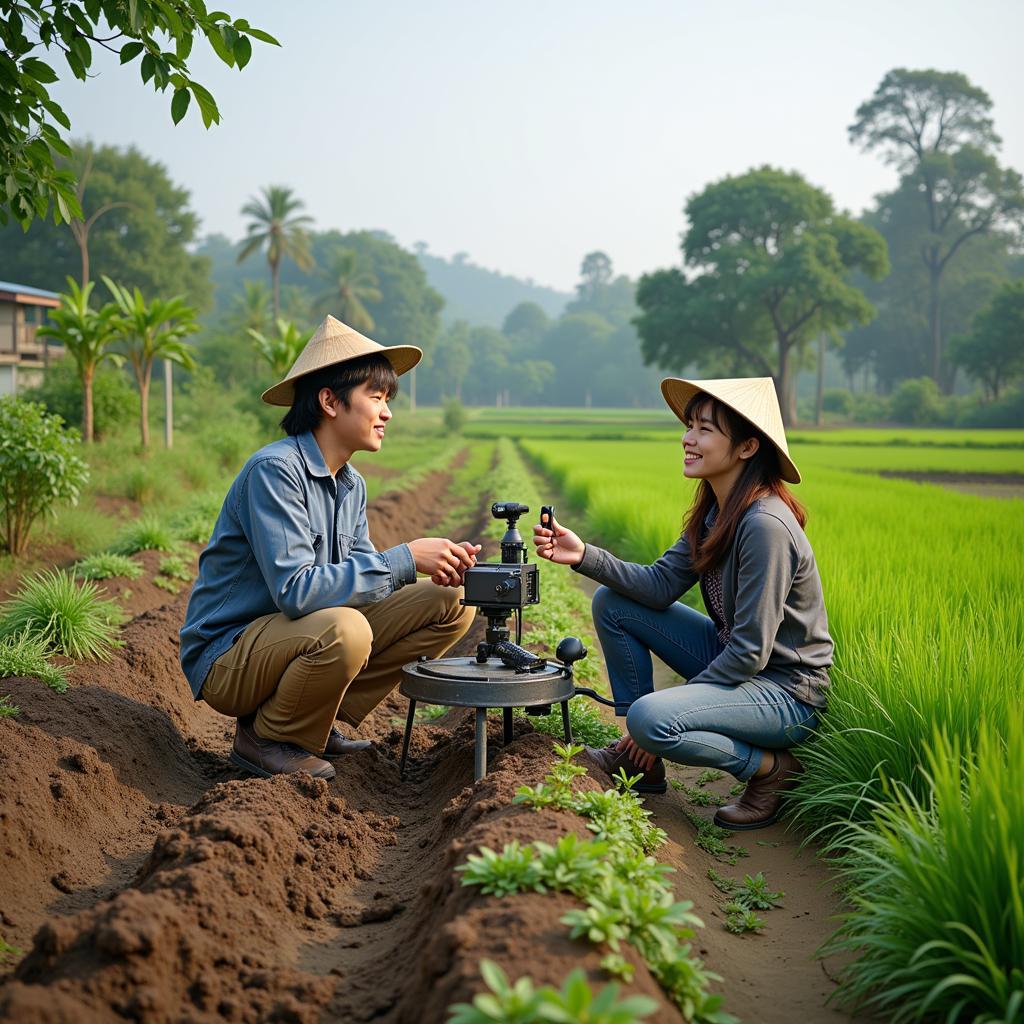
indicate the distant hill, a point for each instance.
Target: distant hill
{"x":483,"y":296}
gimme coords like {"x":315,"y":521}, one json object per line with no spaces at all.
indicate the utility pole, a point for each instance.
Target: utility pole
{"x":168,"y":404}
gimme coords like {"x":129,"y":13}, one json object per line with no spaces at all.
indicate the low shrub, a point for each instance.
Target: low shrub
{"x":70,"y":618}
{"x":40,"y":465}
{"x":454,"y":417}
{"x":837,"y":400}
{"x":917,"y":402}
{"x":115,"y":403}
{"x":1007,"y":411}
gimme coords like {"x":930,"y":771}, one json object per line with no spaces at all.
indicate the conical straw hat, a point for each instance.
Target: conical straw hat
{"x":753,"y":398}
{"x":335,"y":342}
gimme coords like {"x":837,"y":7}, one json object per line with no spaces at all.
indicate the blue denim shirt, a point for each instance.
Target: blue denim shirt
{"x":290,"y":538}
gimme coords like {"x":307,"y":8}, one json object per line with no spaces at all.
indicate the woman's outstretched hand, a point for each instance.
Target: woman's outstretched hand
{"x":558,"y":544}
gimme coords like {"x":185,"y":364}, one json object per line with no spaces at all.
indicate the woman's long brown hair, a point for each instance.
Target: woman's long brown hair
{"x":760,"y":477}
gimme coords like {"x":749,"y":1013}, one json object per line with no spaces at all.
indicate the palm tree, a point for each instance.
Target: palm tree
{"x":281,"y":349}
{"x":275,"y":226}
{"x":251,"y":309}
{"x":151,"y":332}
{"x":350,"y":286}
{"x":86,"y":334}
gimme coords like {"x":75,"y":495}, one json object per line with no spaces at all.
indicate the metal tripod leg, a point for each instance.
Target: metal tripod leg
{"x":506,"y":726}
{"x":407,"y":737}
{"x":566,"y":726}
{"x":480,"y":752}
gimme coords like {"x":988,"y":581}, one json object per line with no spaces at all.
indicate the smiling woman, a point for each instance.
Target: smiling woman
{"x":757,"y":667}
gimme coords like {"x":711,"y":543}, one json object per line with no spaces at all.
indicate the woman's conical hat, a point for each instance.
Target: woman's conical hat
{"x":335,"y":342}
{"x":753,"y":398}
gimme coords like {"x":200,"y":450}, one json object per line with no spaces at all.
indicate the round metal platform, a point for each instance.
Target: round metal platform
{"x":465,"y":683}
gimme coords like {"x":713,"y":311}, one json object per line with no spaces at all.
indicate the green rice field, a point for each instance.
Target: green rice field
{"x":909,"y":780}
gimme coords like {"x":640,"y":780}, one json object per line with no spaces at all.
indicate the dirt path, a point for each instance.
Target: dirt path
{"x":1007,"y":486}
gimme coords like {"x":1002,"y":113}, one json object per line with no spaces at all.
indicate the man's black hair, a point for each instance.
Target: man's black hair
{"x":306,"y":414}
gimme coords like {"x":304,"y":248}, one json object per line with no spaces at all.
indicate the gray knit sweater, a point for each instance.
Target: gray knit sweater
{"x":771,"y":597}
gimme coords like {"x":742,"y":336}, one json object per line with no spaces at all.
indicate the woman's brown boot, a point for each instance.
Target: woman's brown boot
{"x":761,"y":802}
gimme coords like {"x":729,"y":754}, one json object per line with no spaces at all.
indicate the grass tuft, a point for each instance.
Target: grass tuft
{"x":8,"y":709}
{"x":147,"y":533}
{"x":106,"y":565}
{"x":70,"y":618}
{"x":23,"y":655}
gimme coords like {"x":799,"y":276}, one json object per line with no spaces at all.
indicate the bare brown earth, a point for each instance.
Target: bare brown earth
{"x":148,"y":881}
{"x":983,"y":485}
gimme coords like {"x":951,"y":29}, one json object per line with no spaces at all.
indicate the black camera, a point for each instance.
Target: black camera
{"x":500,"y":589}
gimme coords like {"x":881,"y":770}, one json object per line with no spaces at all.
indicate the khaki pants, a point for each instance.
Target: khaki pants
{"x":298,"y":675}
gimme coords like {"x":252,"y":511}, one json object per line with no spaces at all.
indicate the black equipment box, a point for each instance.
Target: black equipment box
{"x":501,"y":584}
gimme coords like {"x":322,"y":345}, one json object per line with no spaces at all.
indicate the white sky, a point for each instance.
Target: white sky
{"x":530,"y":134}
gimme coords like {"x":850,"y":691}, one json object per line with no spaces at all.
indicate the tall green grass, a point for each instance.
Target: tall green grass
{"x":937,"y":889}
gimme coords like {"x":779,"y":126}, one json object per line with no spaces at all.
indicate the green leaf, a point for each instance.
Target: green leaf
{"x":130,"y":51}
{"x":263,"y":37}
{"x":11,"y":184}
{"x":242,"y":51}
{"x":57,"y":113}
{"x":148,"y":67}
{"x":183,"y":46}
{"x":179,"y":104}
{"x":81,"y":49}
{"x":38,"y":70}
{"x":207,"y":104}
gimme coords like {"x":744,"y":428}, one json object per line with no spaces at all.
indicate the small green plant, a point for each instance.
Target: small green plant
{"x":737,"y":788}
{"x":70,"y":617}
{"x":740,"y":919}
{"x":430,"y":712}
{"x":697,"y":797}
{"x":8,"y":709}
{"x":177,"y":567}
{"x":513,"y":870}
{"x":585,"y":720}
{"x":147,"y":533}
{"x":24,"y":655}
{"x":7,"y":951}
{"x":166,"y":583}
{"x":753,"y":892}
{"x":454,"y":417}
{"x":556,"y":789}
{"x":711,"y":839}
{"x":40,"y":466}
{"x":721,"y":883}
{"x":709,"y":775}
{"x":196,"y":521}
{"x":522,"y":1003}
{"x":572,"y":863}
{"x":106,"y":565}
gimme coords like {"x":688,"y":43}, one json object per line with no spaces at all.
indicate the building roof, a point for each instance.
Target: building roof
{"x":24,"y":293}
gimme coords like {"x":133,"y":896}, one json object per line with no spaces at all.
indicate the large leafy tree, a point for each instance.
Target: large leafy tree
{"x":770,"y":262}
{"x":154,"y":33}
{"x":349,"y":286}
{"x":993,"y":352}
{"x":86,"y":335}
{"x":279,"y":228}
{"x":151,"y":331}
{"x":143,"y":237}
{"x":936,"y":128}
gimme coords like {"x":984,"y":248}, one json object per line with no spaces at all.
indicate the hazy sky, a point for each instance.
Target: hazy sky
{"x":527,"y":135}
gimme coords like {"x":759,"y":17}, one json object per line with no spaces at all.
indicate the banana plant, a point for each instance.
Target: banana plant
{"x":280,"y":349}
{"x":152,"y":331}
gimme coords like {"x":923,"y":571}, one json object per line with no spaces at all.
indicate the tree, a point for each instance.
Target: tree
{"x":527,"y":322}
{"x":159,"y":33}
{"x":935,"y":128}
{"x":350,"y":286}
{"x":250,"y":311}
{"x":144,"y":238}
{"x":282,"y":348}
{"x":993,"y":353}
{"x":86,"y":334}
{"x":152,"y":331}
{"x":277,"y":226}
{"x":771,"y":261}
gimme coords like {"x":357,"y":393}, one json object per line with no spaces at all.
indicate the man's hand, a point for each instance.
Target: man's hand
{"x":444,"y":561}
{"x":558,"y":544}
{"x":643,"y":760}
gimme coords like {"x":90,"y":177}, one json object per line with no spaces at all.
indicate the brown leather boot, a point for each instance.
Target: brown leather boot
{"x":761,"y":802}
{"x":610,"y":760}
{"x":268,"y":757}
{"x":338,"y":744}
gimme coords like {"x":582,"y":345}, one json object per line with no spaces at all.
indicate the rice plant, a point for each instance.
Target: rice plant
{"x":147,"y":533}
{"x":70,"y":618}
{"x":24,"y":655}
{"x":105,"y":565}
{"x":937,"y":888}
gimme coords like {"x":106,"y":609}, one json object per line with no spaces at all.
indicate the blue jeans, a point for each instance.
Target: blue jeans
{"x":706,"y":724}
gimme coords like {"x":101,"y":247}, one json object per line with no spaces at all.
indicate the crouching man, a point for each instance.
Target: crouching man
{"x":296,"y":620}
